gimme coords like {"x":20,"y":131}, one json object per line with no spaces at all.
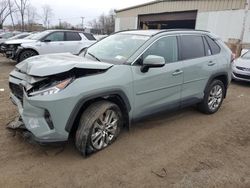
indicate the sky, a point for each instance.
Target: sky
{"x":72,"y":10}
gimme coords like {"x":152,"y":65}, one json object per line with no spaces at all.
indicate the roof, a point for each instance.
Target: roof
{"x":181,"y":5}
{"x":137,"y":6}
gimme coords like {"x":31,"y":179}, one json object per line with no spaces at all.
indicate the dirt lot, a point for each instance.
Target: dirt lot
{"x":184,"y":149}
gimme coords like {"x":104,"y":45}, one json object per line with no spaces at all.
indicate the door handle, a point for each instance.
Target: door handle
{"x":211,"y":63}
{"x":177,"y":72}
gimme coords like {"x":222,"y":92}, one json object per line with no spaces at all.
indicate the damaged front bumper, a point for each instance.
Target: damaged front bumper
{"x":34,"y":121}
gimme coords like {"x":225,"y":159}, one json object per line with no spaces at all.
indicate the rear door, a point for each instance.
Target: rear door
{"x":73,"y":42}
{"x":198,"y":65}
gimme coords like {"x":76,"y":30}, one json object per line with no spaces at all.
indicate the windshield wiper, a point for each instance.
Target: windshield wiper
{"x":92,"y":55}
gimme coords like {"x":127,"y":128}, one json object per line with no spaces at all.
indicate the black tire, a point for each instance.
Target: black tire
{"x":204,"y":105}
{"x":26,"y":54}
{"x":88,"y":120}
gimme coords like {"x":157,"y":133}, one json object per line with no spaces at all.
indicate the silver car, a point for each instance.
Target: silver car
{"x":241,"y":68}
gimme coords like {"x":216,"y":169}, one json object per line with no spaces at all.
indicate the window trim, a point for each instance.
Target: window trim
{"x":177,"y":42}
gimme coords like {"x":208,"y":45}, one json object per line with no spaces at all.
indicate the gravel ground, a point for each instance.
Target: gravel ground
{"x":181,"y":149}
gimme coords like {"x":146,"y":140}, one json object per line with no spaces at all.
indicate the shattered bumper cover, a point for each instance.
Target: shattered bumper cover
{"x":35,"y":123}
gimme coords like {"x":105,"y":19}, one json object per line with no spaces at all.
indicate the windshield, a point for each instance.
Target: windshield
{"x":6,"y":35}
{"x":116,"y":48}
{"x":246,"y":55}
{"x":38,"y":36}
{"x":20,"y":36}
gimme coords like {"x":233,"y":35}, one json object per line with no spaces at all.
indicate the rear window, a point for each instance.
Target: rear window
{"x":72,"y":36}
{"x":192,"y":46}
{"x":89,"y":36}
{"x":215,"y":49}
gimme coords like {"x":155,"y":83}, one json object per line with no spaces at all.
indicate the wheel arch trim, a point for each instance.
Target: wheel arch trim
{"x":83,"y":100}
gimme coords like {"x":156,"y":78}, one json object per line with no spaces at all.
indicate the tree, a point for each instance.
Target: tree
{"x":31,"y":16}
{"x":105,"y":23}
{"x":11,"y":10}
{"x":47,"y":14}
{"x":4,"y":11}
{"x":22,"y":6}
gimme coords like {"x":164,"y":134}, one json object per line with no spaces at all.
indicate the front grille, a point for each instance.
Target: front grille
{"x":242,"y":76}
{"x":243,"y":68}
{"x":17,"y":91}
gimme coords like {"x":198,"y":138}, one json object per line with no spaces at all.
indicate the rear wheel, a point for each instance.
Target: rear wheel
{"x":99,"y":126}
{"x":26,"y":54}
{"x":213,"y":97}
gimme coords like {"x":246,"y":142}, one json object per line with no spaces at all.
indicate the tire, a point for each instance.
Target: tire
{"x":213,"y":98}
{"x":26,"y":54}
{"x":94,"y":132}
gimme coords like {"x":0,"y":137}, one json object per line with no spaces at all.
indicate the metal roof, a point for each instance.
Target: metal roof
{"x":180,"y":5}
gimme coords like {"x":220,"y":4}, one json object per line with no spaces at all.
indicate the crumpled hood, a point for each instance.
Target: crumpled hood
{"x":46,"y":65}
{"x":242,"y":62}
{"x":19,"y":41}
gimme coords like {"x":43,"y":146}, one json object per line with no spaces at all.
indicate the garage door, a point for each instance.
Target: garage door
{"x":168,"y":20}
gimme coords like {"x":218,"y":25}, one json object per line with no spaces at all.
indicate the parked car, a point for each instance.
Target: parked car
{"x":241,"y":67}
{"x":50,"y":41}
{"x":3,"y":46}
{"x":118,"y":80}
{"x":6,"y":35}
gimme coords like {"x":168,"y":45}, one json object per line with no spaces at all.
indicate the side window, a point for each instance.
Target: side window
{"x":72,"y":36}
{"x":192,"y":47}
{"x":89,"y":36}
{"x":213,"y":46}
{"x":56,"y":36}
{"x":165,"y":47}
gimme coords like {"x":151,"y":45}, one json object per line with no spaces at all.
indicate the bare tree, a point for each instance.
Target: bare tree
{"x":4,"y":11}
{"x":22,"y":6}
{"x":105,"y":23}
{"x":31,"y":16}
{"x":11,"y":10}
{"x":47,"y":14}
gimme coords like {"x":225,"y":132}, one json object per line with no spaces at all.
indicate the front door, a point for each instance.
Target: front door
{"x":53,"y":43}
{"x":159,"y":88}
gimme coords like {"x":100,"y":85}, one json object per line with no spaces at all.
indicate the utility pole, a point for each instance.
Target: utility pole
{"x":60,"y":23}
{"x":247,"y":6}
{"x":82,"y":22}
{"x":244,"y":21}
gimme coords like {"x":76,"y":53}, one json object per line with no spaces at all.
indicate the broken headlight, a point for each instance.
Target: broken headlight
{"x":53,"y":88}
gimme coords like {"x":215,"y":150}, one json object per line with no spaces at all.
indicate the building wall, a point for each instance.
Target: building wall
{"x":181,"y":5}
{"x":226,"y":24}
{"x":126,"y":23}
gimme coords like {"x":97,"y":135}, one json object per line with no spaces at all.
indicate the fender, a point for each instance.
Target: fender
{"x":83,"y":100}
{"x":212,"y":77}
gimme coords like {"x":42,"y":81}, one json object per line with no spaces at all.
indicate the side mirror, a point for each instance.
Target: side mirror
{"x":46,"y":40}
{"x":152,"y":61}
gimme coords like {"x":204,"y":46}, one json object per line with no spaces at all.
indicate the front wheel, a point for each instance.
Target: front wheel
{"x":99,"y":126}
{"x":213,"y":97}
{"x":26,"y":54}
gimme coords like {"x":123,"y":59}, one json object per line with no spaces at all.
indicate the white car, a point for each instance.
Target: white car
{"x":241,"y":67}
{"x":47,"y":42}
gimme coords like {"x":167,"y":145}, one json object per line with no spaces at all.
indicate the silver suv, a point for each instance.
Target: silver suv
{"x":116,"y":81}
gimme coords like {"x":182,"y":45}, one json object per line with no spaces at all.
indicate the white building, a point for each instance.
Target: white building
{"x":222,"y":17}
